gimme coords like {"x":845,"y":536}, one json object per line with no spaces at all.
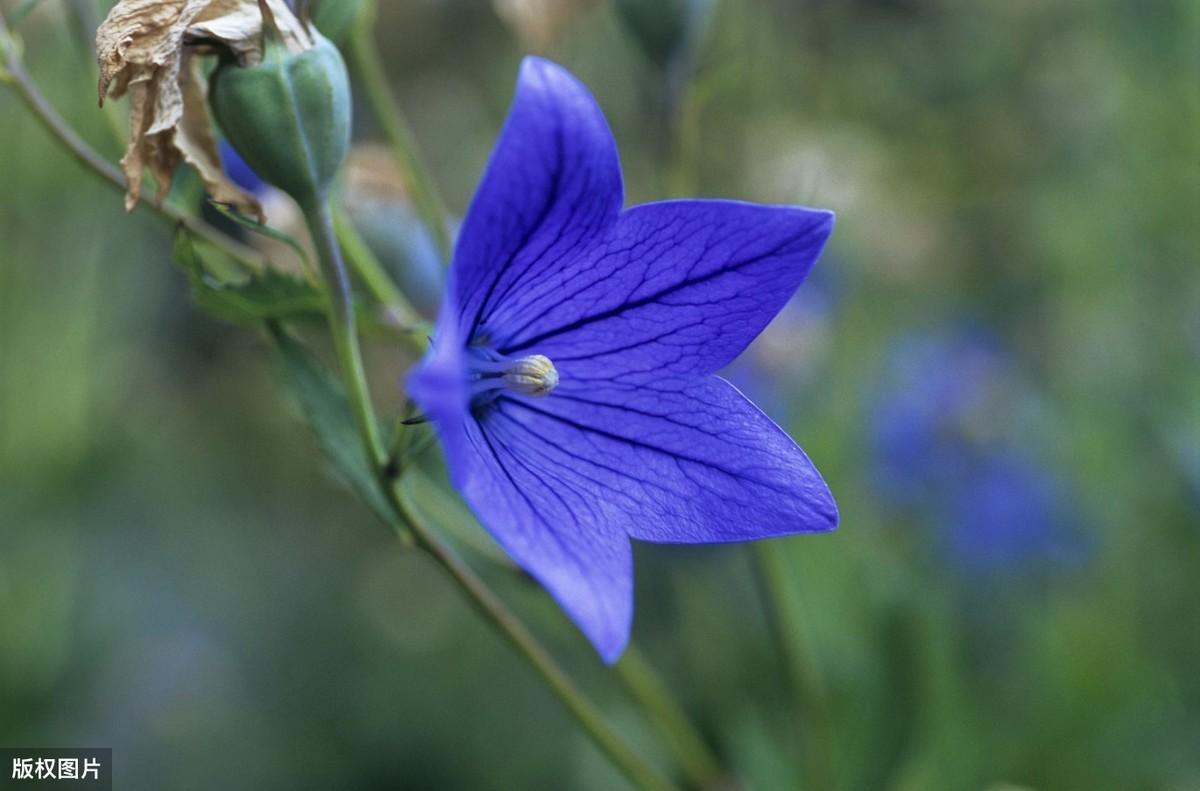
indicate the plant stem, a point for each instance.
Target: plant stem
{"x":639,"y":678}
{"x":342,"y":325}
{"x":343,"y":329}
{"x":790,"y":629}
{"x":368,"y":68}
{"x":320,"y":221}
{"x":681,"y":737}
{"x":375,"y":277}
{"x":53,"y":123}
{"x":364,"y":60}
{"x":319,"y":218}
{"x":636,"y":768}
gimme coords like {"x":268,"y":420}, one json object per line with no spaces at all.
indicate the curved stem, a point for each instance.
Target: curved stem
{"x":53,"y":123}
{"x":636,"y":674}
{"x":790,"y":626}
{"x":681,"y":737}
{"x":364,"y":60}
{"x":636,"y":768}
{"x":319,"y":218}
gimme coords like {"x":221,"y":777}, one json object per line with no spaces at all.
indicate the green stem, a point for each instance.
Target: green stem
{"x":53,"y":123}
{"x":320,"y":221}
{"x":640,"y":772}
{"x":319,"y":218}
{"x":677,"y":731}
{"x":370,"y":76}
{"x":639,"y":678}
{"x":790,"y":629}
{"x":375,"y":277}
{"x":342,"y":326}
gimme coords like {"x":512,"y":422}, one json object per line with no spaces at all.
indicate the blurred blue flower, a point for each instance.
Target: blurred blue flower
{"x":239,"y":172}
{"x":1008,"y":512}
{"x":570,"y":376}
{"x":401,"y":241}
{"x":940,"y":392}
{"x":945,"y":435}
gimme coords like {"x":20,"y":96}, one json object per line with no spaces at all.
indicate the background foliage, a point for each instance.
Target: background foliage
{"x":995,"y":366}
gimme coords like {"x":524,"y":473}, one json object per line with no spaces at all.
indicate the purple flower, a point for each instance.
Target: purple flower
{"x":950,"y":448}
{"x":570,"y":376}
{"x":943,"y":393}
{"x":1008,"y":513}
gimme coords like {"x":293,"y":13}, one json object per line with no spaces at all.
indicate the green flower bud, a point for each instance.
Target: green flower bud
{"x":289,"y":115}
{"x":335,"y":18}
{"x":665,"y":29}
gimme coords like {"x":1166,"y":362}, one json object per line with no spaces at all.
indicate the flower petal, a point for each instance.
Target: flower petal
{"x":554,"y":531}
{"x":552,"y":186}
{"x":556,"y":528}
{"x":682,"y":462}
{"x":678,"y":286}
{"x":439,"y":386}
{"x":144,"y":48}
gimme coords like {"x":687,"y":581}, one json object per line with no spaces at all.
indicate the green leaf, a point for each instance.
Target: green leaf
{"x":221,"y":290}
{"x":264,"y":230}
{"x":323,"y":402}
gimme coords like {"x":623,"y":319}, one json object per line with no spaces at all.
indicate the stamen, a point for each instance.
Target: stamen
{"x":533,"y":375}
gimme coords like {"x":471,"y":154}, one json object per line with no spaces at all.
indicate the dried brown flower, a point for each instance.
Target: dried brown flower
{"x":148,"y":49}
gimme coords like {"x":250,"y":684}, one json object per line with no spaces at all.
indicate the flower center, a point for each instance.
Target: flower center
{"x":492,"y":373}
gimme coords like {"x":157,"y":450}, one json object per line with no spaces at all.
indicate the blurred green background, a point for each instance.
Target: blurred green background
{"x":996,"y":365}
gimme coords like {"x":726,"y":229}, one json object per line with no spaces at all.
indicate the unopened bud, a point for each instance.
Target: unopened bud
{"x":289,"y":115}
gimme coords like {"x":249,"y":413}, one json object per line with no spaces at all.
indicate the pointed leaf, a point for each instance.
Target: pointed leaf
{"x":325,"y":406}
{"x":270,"y":294}
{"x":263,"y":229}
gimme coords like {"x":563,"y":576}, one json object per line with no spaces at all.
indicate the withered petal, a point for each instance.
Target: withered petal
{"x":142,"y":51}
